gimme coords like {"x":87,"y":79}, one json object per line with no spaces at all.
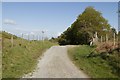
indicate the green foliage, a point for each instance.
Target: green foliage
{"x":113,"y":58}
{"x":86,"y":24}
{"x":55,"y":40}
{"x":94,"y":65}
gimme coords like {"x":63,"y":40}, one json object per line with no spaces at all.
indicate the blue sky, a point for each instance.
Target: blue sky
{"x":52,"y":17}
{"x":60,"y":0}
{"x":0,"y":16}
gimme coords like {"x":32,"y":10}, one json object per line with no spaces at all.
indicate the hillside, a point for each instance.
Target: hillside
{"x":22,"y":57}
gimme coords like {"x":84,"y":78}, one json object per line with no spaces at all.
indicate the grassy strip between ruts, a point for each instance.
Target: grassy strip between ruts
{"x":22,"y":57}
{"x":95,"y":67}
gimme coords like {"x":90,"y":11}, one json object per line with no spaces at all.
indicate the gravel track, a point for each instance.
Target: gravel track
{"x":55,"y":63}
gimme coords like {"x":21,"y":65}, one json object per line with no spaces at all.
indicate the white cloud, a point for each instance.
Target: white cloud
{"x":9,"y":21}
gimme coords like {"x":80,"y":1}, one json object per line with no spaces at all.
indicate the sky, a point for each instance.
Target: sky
{"x":60,"y":0}
{"x":51,"y":17}
{"x":0,"y":16}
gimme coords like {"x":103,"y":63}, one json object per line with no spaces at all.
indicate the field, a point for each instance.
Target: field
{"x":96,"y":65}
{"x":22,"y":57}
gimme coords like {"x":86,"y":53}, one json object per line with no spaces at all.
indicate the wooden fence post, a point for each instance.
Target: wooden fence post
{"x":114,"y":40}
{"x":106,"y":38}
{"x":12,"y":41}
{"x":22,"y":39}
{"x":101,"y":39}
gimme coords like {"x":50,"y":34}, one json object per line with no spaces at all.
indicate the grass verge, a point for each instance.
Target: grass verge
{"x":22,"y":57}
{"x":0,"y":55}
{"x":95,"y":67}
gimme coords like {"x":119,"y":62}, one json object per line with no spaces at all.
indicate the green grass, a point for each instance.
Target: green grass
{"x":22,"y":57}
{"x":95,"y":67}
{"x":0,"y":62}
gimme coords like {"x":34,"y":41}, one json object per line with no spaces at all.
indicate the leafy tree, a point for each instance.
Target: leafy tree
{"x":111,"y":33}
{"x":86,"y":24}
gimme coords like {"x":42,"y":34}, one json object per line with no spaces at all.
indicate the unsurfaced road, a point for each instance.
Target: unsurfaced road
{"x":55,"y":63}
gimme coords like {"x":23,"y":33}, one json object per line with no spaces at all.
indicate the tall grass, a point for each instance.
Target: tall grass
{"x":95,"y":67}
{"x":22,"y":57}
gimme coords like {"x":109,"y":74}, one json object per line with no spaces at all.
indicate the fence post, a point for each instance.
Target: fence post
{"x":22,"y":38}
{"x":28,"y":37}
{"x":106,"y":38}
{"x":101,"y":39}
{"x":12,"y":40}
{"x":114,"y":40}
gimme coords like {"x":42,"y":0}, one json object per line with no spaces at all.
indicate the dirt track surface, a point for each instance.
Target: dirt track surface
{"x":55,"y":63}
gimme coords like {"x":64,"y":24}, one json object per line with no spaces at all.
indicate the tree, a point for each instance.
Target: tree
{"x":86,"y":24}
{"x":111,"y":33}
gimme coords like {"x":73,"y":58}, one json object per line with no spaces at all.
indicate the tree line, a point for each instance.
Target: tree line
{"x":85,"y":26}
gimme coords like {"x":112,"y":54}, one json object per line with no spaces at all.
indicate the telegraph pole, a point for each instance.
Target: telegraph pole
{"x":43,"y":36}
